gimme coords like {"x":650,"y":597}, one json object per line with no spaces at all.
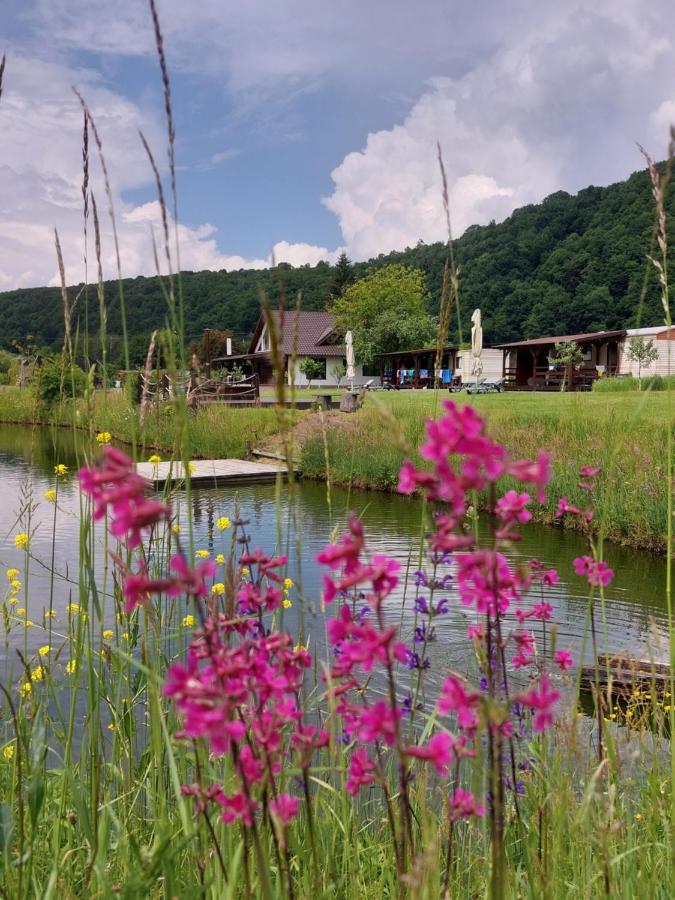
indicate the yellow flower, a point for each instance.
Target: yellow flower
{"x":20,"y":611}
{"x":111,"y":726}
{"x":191,"y":468}
{"x":50,"y":495}
{"x":288,"y":583}
{"x":202,"y":554}
{"x":21,"y":540}
{"x":107,"y":634}
{"x":220,"y":559}
{"x":287,"y":603}
{"x":25,"y":689}
{"x":175,"y":528}
{"x":8,"y":751}
{"x":218,"y":588}
{"x":223,"y":523}
{"x":45,"y":651}
{"x":50,"y":614}
{"x":71,"y":666}
{"x":298,"y":648}
{"x":245,"y":572}
{"x":155,"y":459}
{"x":15,"y":585}
{"x":188,"y":621}
{"x":29,"y":624}
{"x":12,"y":574}
{"x":13,"y":600}
{"x":73,"y":608}
{"x":37,"y":674}
{"x":103,"y":437}
{"x":125,"y":635}
{"x":60,"y":470}
{"x":638,"y":816}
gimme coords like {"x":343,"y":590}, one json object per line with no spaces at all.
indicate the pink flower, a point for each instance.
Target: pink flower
{"x":361,"y":772}
{"x":237,"y":807}
{"x":564,"y":507}
{"x":542,"y":611}
{"x":475,"y":631}
{"x":377,"y":723}
{"x":536,"y":472}
{"x":348,"y":551}
{"x":463,"y":805}
{"x":541,"y":699}
{"x":589,"y":471}
{"x":511,"y":508}
{"x":455,"y":698}
{"x":137,"y":588}
{"x":438,"y":751}
{"x":597,"y":572}
{"x":564,"y":659}
{"x":285,"y":808}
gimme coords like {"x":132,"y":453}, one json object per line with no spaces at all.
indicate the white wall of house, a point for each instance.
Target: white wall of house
{"x":492,"y":364}
{"x":334,"y":366}
{"x":263,"y":344}
{"x":666,"y":348}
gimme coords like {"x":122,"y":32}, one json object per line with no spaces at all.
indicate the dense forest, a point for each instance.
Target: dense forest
{"x":568,"y":264}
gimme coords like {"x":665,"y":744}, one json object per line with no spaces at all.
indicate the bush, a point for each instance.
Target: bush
{"x":57,"y":380}
{"x":628,"y":383}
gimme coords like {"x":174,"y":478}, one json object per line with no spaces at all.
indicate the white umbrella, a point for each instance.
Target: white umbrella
{"x":476,"y":344}
{"x":351,"y":361}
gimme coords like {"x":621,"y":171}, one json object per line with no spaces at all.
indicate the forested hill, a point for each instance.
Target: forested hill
{"x":568,"y":264}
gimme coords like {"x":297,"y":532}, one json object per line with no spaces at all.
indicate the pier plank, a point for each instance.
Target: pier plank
{"x":212,"y":472}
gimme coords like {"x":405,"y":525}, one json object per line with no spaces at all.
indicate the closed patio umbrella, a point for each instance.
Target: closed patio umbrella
{"x":351,"y":361}
{"x":476,"y":344}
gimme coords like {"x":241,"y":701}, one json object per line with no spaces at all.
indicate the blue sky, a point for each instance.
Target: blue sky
{"x":305,"y":128}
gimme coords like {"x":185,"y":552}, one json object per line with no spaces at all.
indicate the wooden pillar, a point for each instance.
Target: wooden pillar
{"x":416,"y":365}
{"x":534,"y":369}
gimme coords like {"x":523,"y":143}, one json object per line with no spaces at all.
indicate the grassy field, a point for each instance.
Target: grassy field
{"x":625,"y":433}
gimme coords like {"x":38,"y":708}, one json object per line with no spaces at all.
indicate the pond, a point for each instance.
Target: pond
{"x":635,"y":613}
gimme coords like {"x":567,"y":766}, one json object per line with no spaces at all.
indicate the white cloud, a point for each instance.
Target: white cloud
{"x":303,"y":254}
{"x":557,"y":106}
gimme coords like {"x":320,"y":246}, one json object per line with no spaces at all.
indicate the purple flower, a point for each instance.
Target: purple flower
{"x":420,"y":578}
{"x":442,"y":607}
{"x":421,"y":605}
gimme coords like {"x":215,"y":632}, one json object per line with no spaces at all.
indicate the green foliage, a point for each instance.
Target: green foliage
{"x":569,"y":264}
{"x":566,"y":353}
{"x":628,"y":383}
{"x":57,"y":380}
{"x":312,"y":368}
{"x":386,"y":310}
{"x":644,"y":353}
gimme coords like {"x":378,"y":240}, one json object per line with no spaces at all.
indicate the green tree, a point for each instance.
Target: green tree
{"x":374,"y":307}
{"x":644,"y":353}
{"x":312,"y":368}
{"x":343,"y":275}
{"x":567,"y":354}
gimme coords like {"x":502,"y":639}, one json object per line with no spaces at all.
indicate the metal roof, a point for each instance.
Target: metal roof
{"x":585,"y":338}
{"x":414,"y":352}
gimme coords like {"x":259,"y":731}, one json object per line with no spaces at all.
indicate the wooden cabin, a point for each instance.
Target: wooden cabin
{"x":526,"y":365}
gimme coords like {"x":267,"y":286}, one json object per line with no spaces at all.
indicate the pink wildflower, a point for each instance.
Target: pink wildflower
{"x":361,"y":771}
{"x":541,"y":699}
{"x":589,"y":471}
{"x":597,"y":572}
{"x":463,"y":805}
{"x":455,"y":698}
{"x":377,"y":723}
{"x":564,"y":507}
{"x":564,"y":659}
{"x":237,"y":807}
{"x":285,"y":808}
{"x":542,"y":611}
{"x":536,"y":472}
{"x":438,"y":751}
{"x":511,"y":507}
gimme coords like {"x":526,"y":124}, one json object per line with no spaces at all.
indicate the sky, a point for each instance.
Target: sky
{"x":305,"y":128}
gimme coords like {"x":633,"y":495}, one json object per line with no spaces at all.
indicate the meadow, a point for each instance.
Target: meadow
{"x":624,"y":433}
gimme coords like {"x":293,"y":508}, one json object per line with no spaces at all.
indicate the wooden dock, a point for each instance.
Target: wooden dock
{"x":213,"y":472}
{"x":626,"y":675}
